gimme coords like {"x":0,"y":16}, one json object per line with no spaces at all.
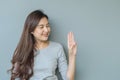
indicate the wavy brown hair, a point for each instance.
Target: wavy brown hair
{"x":23,"y":58}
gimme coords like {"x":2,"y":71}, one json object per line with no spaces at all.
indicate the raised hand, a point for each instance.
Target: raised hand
{"x":72,"y":46}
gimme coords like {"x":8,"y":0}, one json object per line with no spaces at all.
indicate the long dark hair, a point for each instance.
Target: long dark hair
{"x":23,"y":58}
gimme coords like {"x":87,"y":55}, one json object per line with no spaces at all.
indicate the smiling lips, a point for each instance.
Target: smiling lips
{"x":46,"y":35}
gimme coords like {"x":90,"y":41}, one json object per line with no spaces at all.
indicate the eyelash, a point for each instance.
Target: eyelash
{"x":48,"y":26}
{"x":43,"y":26}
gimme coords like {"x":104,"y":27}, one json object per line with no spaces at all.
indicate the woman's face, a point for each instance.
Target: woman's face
{"x":42,"y":30}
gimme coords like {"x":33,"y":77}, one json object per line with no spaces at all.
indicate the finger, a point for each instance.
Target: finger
{"x":72,"y":37}
{"x":68,"y":39}
{"x":69,"y":36}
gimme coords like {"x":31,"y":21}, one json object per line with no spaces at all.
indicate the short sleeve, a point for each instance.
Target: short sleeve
{"x":62,"y":63}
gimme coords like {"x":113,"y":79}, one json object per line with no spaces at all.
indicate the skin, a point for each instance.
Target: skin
{"x":72,"y":50}
{"x":41,"y":34}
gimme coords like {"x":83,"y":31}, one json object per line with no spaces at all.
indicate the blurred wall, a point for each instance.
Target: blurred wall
{"x":95,"y":23}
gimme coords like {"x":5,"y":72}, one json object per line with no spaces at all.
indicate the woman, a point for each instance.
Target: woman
{"x":36,"y":58}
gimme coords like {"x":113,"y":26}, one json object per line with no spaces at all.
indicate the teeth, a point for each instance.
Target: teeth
{"x":45,"y":35}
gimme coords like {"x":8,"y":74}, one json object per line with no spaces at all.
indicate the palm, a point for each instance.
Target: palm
{"x":72,"y":46}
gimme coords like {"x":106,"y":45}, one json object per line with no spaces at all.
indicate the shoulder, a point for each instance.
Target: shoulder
{"x":56,"y":44}
{"x":55,"y":48}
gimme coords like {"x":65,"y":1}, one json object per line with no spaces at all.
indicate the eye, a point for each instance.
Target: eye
{"x":41,"y":26}
{"x":48,"y":25}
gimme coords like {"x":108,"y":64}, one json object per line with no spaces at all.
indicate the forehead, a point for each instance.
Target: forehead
{"x":43,"y":20}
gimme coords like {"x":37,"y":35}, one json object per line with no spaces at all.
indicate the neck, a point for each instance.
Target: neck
{"x":41,"y":44}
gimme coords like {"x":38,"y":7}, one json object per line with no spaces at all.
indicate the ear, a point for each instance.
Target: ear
{"x":32,"y":33}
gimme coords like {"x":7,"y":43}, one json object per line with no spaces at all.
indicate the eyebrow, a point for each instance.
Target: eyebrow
{"x":42,"y":24}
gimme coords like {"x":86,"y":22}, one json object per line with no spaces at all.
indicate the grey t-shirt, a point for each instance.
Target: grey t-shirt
{"x":47,"y":60}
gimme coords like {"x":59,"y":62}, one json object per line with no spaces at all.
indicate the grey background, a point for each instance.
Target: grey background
{"x":95,"y":23}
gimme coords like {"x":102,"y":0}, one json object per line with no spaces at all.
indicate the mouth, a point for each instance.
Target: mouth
{"x":46,"y":35}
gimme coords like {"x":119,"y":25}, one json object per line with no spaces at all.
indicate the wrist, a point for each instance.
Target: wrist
{"x":70,"y":54}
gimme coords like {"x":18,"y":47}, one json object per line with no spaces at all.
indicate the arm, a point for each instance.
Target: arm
{"x":62,"y":63}
{"x":72,"y":49}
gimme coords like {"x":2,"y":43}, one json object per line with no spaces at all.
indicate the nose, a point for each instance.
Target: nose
{"x":45,"y":29}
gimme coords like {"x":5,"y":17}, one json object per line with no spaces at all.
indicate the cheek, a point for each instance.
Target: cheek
{"x":37,"y":33}
{"x":49,"y":30}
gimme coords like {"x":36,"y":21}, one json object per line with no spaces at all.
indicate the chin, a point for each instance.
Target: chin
{"x":45,"y":39}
